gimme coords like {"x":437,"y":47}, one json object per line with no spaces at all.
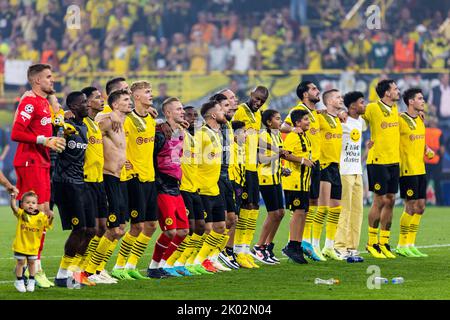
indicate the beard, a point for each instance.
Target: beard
{"x":228,"y":117}
{"x":49,"y":91}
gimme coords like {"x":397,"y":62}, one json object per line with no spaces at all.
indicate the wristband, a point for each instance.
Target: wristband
{"x":41,"y":140}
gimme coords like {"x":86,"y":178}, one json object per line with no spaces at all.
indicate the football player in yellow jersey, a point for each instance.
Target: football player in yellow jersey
{"x":30,"y":227}
{"x":297,"y":184}
{"x":269,"y":174}
{"x":250,"y":114}
{"x":139,"y":128}
{"x":225,"y":185}
{"x":383,"y":165}
{"x":210,"y":161}
{"x":329,"y":205}
{"x":309,"y":96}
{"x":413,"y":181}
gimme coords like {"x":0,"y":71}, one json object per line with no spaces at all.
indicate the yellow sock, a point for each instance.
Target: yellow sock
{"x":211,"y":242}
{"x":332,"y":222}
{"x":98,"y":255}
{"x":190,"y":247}
{"x":137,"y":250}
{"x":108,"y":254}
{"x":413,"y":228}
{"x":198,"y":246}
{"x":384,"y":236}
{"x":319,"y":220}
{"x":87,"y":255}
{"x":224,"y":242}
{"x":251,"y":227}
{"x":75,"y":265}
{"x":373,"y":236}
{"x":66,"y":261}
{"x":309,"y":223}
{"x":405,"y":221}
{"x":125,"y":249}
{"x":177,"y":253}
{"x":241,"y":225}
{"x":217,"y":249}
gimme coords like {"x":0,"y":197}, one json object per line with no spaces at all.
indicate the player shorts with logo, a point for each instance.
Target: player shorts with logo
{"x":194,"y":205}
{"x":214,"y":208}
{"x":141,"y":200}
{"x":383,"y":178}
{"x":297,"y":200}
{"x":250,"y":193}
{"x":172,"y":212}
{"x":315,"y":181}
{"x":272,"y":196}
{"x":413,"y":187}
{"x":227,"y":193}
{"x":96,"y":203}
{"x":331,"y":174}
{"x":36,"y":179}
{"x":117,"y":201}
{"x":71,"y":201}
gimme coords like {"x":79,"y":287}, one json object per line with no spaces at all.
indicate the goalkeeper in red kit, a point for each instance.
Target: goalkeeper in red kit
{"x":32,"y":129}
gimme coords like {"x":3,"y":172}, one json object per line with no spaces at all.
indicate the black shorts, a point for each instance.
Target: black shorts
{"x":96,"y":203}
{"x":214,"y":208}
{"x":250,"y":193}
{"x":194,"y":205}
{"x":227,"y":193}
{"x":315,"y":181}
{"x":383,"y":178}
{"x":117,"y":201}
{"x":141,"y":201}
{"x":70,"y":199}
{"x":272,"y":196}
{"x":413,"y":187}
{"x":238,"y":190}
{"x":331,"y":174}
{"x":297,"y":200}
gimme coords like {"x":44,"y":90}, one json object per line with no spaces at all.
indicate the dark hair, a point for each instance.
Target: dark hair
{"x":262,"y":89}
{"x":167,"y":102}
{"x":383,"y":86}
{"x":30,"y":193}
{"x":72,"y":98}
{"x":236,"y":125}
{"x":112,"y":83}
{"x":268,"y":115}
{"x":37,"y":68}
{"x":188,"y":107}
{"x":326,"y":94}
{"x":297,"y":115}
{"x":410,"y":94}
{"x":207,"y":106}
{"x":115,"y":95}
{"x":88,"y":91}
{"x":352,"y":97}
{"x":302,"y":88}
{"x":219,"y":97}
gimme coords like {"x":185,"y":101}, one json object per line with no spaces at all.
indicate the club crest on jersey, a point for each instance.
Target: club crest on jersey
{"x":169,"y":221}
{"x":29,"y":108}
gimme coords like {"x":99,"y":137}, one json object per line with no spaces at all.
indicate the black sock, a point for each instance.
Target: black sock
{"x":31,"y":277}
{"x":19,"y":278}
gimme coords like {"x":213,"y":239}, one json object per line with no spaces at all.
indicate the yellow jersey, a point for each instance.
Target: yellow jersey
{"x":210,"y":160}
{"x":331,"y":137}
{"x":94,"y":160}
{"x":236,"y":169}
{"x":29,"y":231}
{"x":270,"y":173}
{"x":384,"y":132}
{"x":140,"y":133}
{"x":412,"y":145}
{"x":190,"y":180}
{"x":252,"y":122}
{"x":300,"y":178}
{"x":314,"y":129}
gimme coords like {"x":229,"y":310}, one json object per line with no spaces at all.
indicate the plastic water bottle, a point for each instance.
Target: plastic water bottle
{"x":398,"y":280}
{"x":60,"y":133}
{"x":380,"y":280}
{"x":328,"y":281}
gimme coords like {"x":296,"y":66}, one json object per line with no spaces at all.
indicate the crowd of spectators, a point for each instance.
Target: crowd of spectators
{"x":132,"y":35}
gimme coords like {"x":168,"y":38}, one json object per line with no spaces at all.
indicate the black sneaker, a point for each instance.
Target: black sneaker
{"x":260,"y":254}
{"x":269,"y":250}
{"x":154,"y":273}
{"x":164,"y":273}
{"x":61,"y":282}
{"x":294,"y":252}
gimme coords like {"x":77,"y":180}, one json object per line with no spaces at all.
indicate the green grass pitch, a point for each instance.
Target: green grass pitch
{"x":425,"y":278}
